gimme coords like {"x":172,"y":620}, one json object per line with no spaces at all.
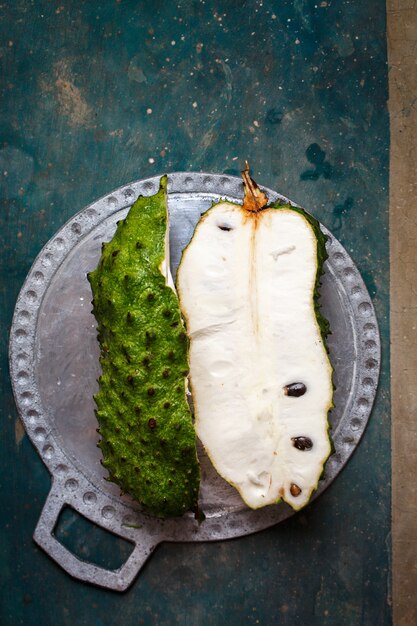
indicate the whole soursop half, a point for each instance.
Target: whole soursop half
{"x":260,"y":375}
{"x":148,"y":440}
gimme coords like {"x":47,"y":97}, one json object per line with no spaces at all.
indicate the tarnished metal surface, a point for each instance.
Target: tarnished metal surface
{"x":54,"y":367}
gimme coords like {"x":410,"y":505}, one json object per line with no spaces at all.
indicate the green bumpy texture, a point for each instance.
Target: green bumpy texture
{"x":148,"y":440}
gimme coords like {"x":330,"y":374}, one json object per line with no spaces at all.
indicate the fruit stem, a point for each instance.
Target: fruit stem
{"x":254,"y":199}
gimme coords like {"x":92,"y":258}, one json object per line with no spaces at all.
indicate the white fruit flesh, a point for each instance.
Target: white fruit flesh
{"x":246,"y":284}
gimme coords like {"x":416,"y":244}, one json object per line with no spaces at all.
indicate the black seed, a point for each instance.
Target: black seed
{"x":171,"y":355}
{"x":166,"y":373}
{"x":170,"y":482}
{"x":295,"y":490}
{"x":129,"y":316}
{"x":137,"y":470}
{"x":152,"y":423}
{"x":174,"y":324}
{"x":130,"y":379}
{"x":146,"y":360}
{"x":295,"y":390}
{"x":150,"y":297}
{"x":302,"y":443}
{"x":123,"y":459}
{"x":139,"y":245}
{"x":182,"y":336}
{"x":151,"y":391}
{"x":137,"y":410}
{"x":224,"y":227}
{"x":167,"y":405}
{"x":166,"y":313}
{"x":115,"y":252}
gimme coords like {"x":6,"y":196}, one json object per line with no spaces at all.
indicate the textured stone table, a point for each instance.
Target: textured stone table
{"x":96,"y":94}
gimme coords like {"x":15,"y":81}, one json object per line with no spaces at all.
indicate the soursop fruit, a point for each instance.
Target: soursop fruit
{"x":147,"y":435}
{"x":260,"y":375}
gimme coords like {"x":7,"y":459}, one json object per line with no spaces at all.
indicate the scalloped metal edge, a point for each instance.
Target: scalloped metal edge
{"x":70,"y":486}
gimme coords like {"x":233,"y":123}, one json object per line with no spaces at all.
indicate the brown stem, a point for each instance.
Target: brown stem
{"x":254,"y":200}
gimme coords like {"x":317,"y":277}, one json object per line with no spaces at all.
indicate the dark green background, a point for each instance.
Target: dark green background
{"x":298,"y":87}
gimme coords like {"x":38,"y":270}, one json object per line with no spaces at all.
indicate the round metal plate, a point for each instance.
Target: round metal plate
{"x":54,"y":367}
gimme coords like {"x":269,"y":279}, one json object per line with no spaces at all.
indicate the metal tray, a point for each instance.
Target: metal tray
{"x":54,"y":367}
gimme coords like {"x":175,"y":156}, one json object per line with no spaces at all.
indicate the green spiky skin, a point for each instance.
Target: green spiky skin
{"x":147,"y":435}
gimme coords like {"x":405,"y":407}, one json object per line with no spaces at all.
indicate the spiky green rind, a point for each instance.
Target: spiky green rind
{"x":147,"y":435}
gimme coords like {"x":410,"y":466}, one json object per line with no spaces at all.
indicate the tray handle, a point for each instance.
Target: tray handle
{"x":118,"y":580}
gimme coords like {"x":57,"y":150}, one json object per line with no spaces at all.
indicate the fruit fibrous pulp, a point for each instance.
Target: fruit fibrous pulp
{"x":260,"y":375}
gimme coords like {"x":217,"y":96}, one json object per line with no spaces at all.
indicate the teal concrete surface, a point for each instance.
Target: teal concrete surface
{"x":97,"y":94}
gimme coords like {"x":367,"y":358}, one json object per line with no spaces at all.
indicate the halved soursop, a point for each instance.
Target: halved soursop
{"x":147,"y":435}
{"x":260,"y":375}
